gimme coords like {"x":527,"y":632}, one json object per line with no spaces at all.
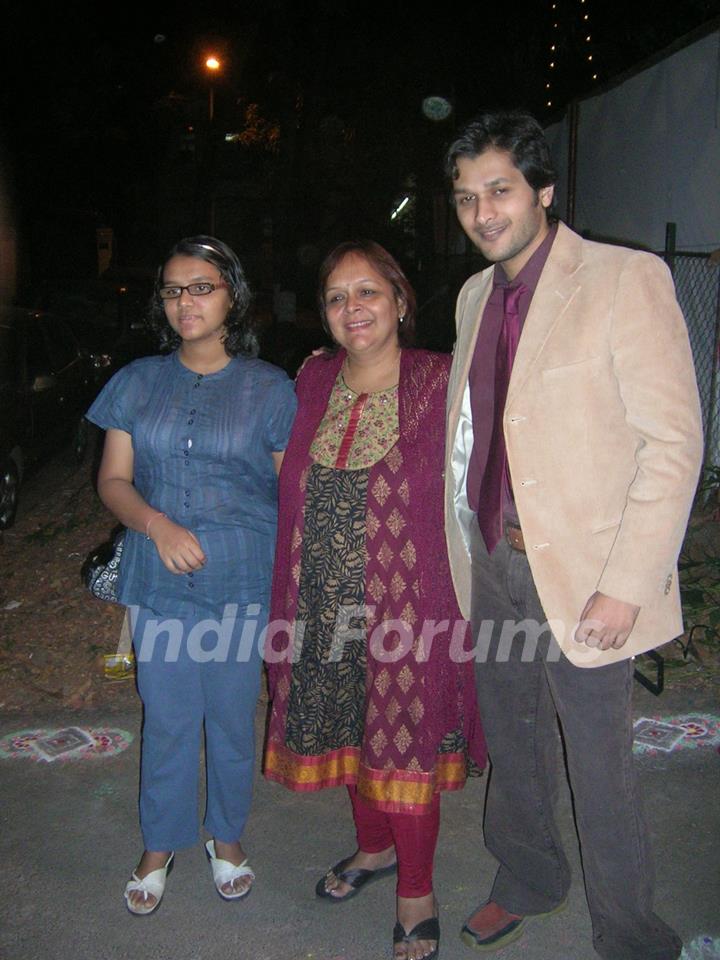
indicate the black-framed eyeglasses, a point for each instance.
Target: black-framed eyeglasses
{"x":194,"y":289}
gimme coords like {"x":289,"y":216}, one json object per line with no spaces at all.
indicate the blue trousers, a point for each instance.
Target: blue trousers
{"x":521,"y":698}
{"x":190,"y":674}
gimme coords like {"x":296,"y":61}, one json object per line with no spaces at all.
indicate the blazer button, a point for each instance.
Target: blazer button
{"x":668,"y":584}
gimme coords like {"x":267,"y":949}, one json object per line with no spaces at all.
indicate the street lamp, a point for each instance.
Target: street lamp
{"x":213,"y":65}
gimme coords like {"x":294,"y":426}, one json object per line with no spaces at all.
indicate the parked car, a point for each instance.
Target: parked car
{"x":47,"y":382}
{"x":115,"y":332}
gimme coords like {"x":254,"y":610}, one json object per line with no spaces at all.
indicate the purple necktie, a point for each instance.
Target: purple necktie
{"x":496,"y":479}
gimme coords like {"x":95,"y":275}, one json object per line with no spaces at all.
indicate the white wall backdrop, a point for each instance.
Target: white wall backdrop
{"x":648,"y":152}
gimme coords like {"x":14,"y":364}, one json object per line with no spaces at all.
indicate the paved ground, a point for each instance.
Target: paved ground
{"x":69,"y":838}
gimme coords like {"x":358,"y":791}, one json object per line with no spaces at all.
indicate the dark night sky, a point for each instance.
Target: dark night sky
{"x":87,"y":88}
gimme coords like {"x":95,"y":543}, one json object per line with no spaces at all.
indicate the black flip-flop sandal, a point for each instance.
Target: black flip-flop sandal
{"x":425,"y":930}
{"x":357,"y":879}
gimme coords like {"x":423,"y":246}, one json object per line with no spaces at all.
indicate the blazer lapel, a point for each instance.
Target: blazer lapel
{"x":559,"y":282}
{"x":465,"y":345}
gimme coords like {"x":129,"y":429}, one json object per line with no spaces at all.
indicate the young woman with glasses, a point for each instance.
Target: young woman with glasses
{"x":194,"y":440}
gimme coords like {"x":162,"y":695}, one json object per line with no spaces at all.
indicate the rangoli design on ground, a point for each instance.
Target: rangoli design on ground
{"x":687,"y":731}
{"x":66,"y":743}
{"x":701,"y":948}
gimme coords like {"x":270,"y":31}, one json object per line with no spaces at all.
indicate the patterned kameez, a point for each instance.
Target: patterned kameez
{"x":361,"y":571}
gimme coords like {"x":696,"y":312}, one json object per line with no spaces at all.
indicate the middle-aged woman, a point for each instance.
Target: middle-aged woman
{"x":370,"y":695}
{"x":193,"y":444}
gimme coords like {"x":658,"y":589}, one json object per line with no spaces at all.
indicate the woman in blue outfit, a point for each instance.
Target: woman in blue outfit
{"x":193,"y":443}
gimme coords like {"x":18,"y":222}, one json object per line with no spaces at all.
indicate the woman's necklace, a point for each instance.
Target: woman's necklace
{"x":350,"y":395}
{"x":352,"y":392}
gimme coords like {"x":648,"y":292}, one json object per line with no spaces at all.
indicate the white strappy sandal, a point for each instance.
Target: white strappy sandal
{"x":225,"y":872}
{"x":153,"y":884}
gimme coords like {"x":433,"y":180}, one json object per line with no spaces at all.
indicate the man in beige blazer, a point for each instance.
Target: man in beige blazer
{"x":568,"y":491}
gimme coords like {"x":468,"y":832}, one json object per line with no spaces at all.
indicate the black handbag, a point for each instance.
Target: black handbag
{"x":100,"y":570}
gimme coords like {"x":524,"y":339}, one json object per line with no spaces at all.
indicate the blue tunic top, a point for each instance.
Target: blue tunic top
{"x":202,"y":454}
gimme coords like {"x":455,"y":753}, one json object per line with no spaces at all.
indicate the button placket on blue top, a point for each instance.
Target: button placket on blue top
{"x":186,"y":453}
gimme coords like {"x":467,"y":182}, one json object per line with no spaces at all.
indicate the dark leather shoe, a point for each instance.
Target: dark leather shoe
{"x":493,"y":927}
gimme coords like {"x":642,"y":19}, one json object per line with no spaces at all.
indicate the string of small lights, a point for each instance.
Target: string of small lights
{"x":582,"y":30}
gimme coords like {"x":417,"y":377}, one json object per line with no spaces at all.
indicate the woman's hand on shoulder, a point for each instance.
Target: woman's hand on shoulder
{"x":178,"y":548}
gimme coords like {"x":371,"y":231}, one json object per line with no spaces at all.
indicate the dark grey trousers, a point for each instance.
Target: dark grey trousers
{"x":521,"y":700}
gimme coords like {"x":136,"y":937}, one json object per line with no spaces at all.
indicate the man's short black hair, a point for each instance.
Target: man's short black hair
{"x":513,"y":131}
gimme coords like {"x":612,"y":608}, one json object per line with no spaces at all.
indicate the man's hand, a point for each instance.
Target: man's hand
{"x":606,"y":622}
{"x":316,"y":353}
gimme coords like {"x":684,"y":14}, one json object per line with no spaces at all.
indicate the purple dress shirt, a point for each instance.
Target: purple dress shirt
{"x":482,"y":369}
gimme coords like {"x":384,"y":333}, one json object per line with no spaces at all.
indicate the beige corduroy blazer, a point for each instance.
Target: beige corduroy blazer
{"x":604,"y":439}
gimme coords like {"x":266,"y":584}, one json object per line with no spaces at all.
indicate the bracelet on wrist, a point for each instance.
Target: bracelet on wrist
{"x":147,"y":525}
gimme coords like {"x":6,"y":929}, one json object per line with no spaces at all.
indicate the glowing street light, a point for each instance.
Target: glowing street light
{"x":212,"y":64}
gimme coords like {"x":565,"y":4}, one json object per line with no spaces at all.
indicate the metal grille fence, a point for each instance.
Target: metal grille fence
{"x":697,"y":283}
